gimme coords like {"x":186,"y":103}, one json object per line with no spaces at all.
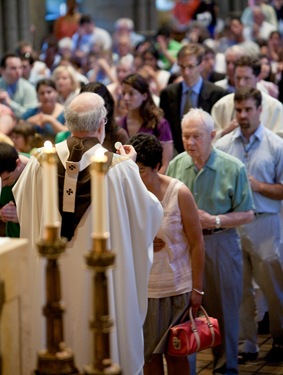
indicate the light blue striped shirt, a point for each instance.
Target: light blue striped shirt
{"x":263,"y":158}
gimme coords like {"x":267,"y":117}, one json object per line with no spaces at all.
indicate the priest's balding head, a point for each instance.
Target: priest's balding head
{"x":86,"y":116}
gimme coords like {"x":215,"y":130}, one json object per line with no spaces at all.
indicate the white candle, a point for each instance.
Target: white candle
{"x":98,"y":195}
{"x":50,"y":186}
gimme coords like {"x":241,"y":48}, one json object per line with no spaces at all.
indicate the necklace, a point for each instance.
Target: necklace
{"x":247,"y":146}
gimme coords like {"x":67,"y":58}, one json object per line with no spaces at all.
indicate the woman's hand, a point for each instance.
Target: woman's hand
{"x":36,"y":120}
{"x":40,"y":119}
{"x":195,"y":303}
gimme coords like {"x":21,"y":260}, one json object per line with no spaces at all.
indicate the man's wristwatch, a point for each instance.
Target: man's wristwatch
{"x":217,"y":222}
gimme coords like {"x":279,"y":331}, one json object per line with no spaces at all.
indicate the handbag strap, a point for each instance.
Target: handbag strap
{"x":194,"y":328}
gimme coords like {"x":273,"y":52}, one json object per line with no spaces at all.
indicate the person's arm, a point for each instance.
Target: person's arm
{"x":7,"y":124}
{"x":272,"y":191}
{"x":24,"y":99}
{"x":166,"y":155}
{"x":165,"y":137}
{"x":222,"y":113}
{"x":229,"y":128}
{"x":57,"y":28}
{"x":105,"y":66}
{"x":56,"y":125}
{"x":229,"y":220}
{"x":163,"y":49}
{"x":40,"y":119}
{"x":192,"y":228}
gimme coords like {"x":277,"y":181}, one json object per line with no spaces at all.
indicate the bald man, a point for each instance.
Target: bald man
{"x":134,"y":218}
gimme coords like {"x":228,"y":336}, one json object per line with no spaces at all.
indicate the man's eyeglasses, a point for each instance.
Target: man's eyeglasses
{"x":190,"y":67}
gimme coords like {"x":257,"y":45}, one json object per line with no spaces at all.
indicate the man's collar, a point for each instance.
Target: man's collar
{"x":209,"y":164}
{"x":195,"y":88}
{"x":257,"y":134}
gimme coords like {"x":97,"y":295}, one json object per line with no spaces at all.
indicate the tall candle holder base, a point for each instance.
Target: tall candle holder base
{"x":56,"y":359}
{"x":100,"y":260}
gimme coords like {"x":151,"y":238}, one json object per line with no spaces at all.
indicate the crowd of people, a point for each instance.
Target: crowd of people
{"x":197,"y":109}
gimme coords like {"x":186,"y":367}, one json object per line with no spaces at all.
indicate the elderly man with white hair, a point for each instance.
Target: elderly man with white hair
{"x":220,"y":186}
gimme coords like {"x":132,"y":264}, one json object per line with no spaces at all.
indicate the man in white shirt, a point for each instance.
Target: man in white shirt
{"x":247,"y":74}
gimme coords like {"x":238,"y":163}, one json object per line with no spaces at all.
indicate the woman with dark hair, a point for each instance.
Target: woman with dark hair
{"x":49,"y":115}
{"x":144,"y":116}
{"x":158,"y":77}
{"x":267,"y":77}
{"x":113,"y":133}
{"x":176,"y":276}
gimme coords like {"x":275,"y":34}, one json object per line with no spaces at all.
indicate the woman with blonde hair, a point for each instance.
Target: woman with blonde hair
{"x":66,"y":81}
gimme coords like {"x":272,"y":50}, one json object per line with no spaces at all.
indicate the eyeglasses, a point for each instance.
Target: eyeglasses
{"x":104,"y":119}
{"x":190,"y":67}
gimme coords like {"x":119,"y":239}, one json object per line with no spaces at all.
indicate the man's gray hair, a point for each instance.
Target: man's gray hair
{"x":202,"y":116}
{"x":85,"y":119}
{"x":235,"y":50}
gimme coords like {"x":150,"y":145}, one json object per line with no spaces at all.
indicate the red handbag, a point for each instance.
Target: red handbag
{"x":194,"y":335}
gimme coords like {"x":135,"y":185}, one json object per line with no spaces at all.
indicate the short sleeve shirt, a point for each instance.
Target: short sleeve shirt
{"x":220,"y":187}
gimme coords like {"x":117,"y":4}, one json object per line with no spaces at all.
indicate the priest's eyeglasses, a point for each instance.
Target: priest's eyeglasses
{"x":104,"y":120}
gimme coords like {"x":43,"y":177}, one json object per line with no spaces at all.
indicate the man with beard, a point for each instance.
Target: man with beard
{"x":262,"y":152}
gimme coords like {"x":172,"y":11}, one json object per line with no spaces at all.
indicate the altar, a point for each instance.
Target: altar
{"x":14,"y":307}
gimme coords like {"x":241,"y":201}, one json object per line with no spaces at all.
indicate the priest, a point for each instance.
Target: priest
{"x":134,"y":218}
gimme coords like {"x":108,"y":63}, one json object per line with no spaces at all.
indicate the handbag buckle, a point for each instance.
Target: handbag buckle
{"x":176,"y":343}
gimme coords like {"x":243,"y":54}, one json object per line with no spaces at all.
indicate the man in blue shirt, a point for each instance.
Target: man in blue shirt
{"x":15,"y":91}
{"x":262,"y":152}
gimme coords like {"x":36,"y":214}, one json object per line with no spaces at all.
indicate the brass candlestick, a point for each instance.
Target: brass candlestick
{"x":100,"y":259}
{"x":56,"y":359}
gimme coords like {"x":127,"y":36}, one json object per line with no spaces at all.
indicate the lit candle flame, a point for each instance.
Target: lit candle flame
{"x":48,"y":147}
{"x":100,"y":156}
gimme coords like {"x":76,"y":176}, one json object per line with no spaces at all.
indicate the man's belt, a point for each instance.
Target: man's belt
{"x":207,"y":232}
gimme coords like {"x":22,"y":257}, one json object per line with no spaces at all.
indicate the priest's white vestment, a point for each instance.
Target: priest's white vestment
{"x":134,"y":218}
